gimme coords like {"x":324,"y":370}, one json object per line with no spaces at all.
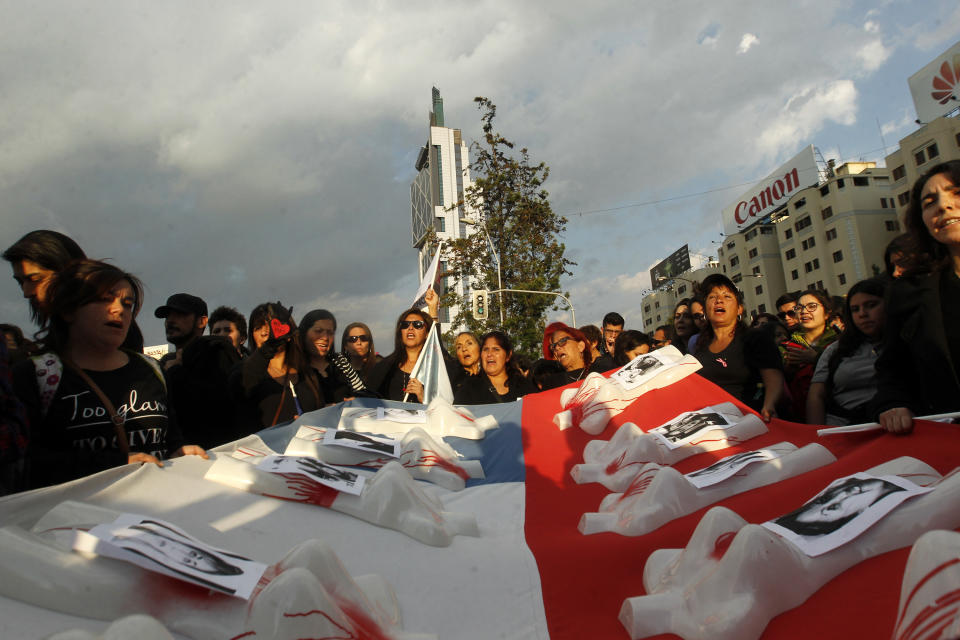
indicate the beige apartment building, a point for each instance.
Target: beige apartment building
{"x":829,"y":235}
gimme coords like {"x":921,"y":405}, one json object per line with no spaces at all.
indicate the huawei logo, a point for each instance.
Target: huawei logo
{"x":944,"y":83}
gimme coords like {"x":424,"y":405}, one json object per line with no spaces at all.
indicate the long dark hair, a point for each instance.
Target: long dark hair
{"x":50,"y":249}
{"x":80,"y":283}
{"x":308,"y":321}
{"x":926,"y":253}
{"x":399,"y":351}
{"x":502,"y":339}
{"x":627,"y":341}
{"x":851,"y":338}
{"x":709,"y":284}
{"x":371,"y":358}
{"x":294,"y":355}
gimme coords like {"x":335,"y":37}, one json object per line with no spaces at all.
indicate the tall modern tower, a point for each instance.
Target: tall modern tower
{"x":443,"y":172}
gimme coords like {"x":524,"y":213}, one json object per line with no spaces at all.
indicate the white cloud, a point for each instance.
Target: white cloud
{"x":873,"y":54}
{"x":906,"y":121}
{"x":747,"y":41}
{"x":806,"y":112}
{"x":871,"y":27}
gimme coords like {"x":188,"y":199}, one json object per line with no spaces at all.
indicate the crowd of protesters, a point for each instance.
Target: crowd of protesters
{"x":84,"y":398}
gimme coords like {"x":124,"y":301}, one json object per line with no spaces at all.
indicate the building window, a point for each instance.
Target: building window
{"x":750,"y":234}
{"x":658,"y":317}
{"x":820,"y":285}
{"x":900,"y":172}
{"x":646,"y":309}
{"x":759,"y":289}
{"x":933,"y":151}
{"x":809,"y":243}
{"x":441,"y":223}
{"x":958,"y":139}
{"x":813,"y":265}
{"x":892,"y":225}
{"x":803,"y":223}
{"x":724,"y":268}
{"x":790,"y":254}
{"x":840,"y":183}
{"x":837,"y":256}
{"x":756,"y":271}
{"x":919,"y":157}
{"x":831,"y":234}
{"x":787,"y":234}
{"x":799,"y":203}
{"x":682,"y":289}
{"x":861,"y":182}
{"x":736,"y":277}
{"x":826,"y":213}
{"x":825,"y":189}
{"x":794,"y":275}
{"x":648,"y":322}
{"x":734,"y":261}
{"x":883,"y":203}
{"x":842,"y":279}
{"x":762,"y":308}
{"x":656,"y":305}
{"x":753,"y":252}
{"x":903,"y":198}
{"x":731,"y":244}
{"x":766,"y":231}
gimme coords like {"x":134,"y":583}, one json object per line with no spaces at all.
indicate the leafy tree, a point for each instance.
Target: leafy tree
{"x":507,"y":198}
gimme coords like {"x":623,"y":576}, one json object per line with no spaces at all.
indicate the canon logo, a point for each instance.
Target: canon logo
{"x":768,"y":197}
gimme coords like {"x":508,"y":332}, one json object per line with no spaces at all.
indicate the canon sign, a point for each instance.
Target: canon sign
{"x":771,"y":192}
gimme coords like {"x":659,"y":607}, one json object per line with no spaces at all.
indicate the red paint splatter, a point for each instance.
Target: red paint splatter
{"x":639,"y":484}
{"x":909,"y":632}
{"x":721,"y":544}
{"x":618,"y":464}
{"x":431,"y":458}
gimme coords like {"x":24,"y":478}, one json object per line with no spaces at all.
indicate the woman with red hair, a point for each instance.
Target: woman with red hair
{"x":571,"y":349}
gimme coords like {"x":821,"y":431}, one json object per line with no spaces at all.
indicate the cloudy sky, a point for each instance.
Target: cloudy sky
{"x":253,"y":151}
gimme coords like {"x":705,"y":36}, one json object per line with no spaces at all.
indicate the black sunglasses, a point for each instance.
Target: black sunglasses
{"x":417,"y":324}
{"x":783,"y":315}
{"x":359,"y":338}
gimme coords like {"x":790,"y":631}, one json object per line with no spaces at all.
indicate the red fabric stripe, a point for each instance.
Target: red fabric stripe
{"x":586,"y":578}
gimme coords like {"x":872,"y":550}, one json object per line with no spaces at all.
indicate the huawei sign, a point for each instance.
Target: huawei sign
{"x":936,"y":87}
{"x":943,"y":84}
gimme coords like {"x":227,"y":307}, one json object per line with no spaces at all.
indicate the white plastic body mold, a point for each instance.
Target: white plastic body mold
{"x":442,"y":419}
{"x":306,"y":594}
{"x":712,"y":590}
{"x":423,"y":457}
{"x":930,"y":594}
{"x":659,"y":494}
{"x":615,"y":463}
{"x":390,"y":498}
{"x":598,"y":399}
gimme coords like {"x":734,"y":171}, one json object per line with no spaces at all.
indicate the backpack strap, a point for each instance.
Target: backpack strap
{"x":49,"y":370}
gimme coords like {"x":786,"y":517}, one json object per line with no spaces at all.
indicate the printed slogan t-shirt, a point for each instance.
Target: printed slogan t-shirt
{"x":77,"y":437}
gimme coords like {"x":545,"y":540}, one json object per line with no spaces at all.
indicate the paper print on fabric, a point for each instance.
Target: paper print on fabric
{"x":162,"y":547}
{"x":728,"y":467}
{"x":639,"y":370}
{"x":841,"y":512}
{"x":686,"y":426}
{"x":327,"y":474}
{"x":406,"y":416}
{"x":363,"y":442}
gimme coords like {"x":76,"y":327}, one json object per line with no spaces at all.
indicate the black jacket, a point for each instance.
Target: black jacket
{"x":914,"y":369}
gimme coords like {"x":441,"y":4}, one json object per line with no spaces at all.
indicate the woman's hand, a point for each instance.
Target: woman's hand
{"x":190,"y":450}
{"x":897,"y":420}
{"x":798,"y":356}
{"x":143,"y":458}
{"x":768,"y":413}
{"x":415,"y":387}
{"x":433,"y":302}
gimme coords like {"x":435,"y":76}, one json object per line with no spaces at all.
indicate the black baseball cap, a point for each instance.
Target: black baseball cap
{"x":184,"y":303}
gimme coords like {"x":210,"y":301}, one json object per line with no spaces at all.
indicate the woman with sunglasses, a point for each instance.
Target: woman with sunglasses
{"x":917,"y":371}
{"x":683,"y":326}
{"x":390,"y":378}
{"x":805,"y":345}
{"x":357,"y":345}
{"x":93,"y":405}
{"x":338,"y":379}
{"x":499,"y":379}
{"x":699,"y":317}
{"x":571,"y":349}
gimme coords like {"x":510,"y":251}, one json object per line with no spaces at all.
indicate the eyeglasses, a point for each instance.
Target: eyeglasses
{"x":367,"y":338}
{"x":417,"y":324}
{"x":783,"y":315}
{"x":810,"y":307}
{"x":559,"y":343}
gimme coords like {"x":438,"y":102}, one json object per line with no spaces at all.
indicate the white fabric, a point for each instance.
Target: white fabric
{"x":431,"y":370}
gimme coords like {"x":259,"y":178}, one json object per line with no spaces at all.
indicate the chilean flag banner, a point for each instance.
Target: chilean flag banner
{"x":518,"y":557}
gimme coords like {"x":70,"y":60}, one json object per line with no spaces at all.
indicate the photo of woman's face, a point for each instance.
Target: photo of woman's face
{"x":845,"y":501}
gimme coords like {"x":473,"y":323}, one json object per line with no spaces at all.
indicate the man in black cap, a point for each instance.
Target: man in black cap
{"x":185,"y":318}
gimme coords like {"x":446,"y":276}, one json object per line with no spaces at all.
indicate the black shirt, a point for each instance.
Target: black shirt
{"x":479,"y":390}
{"x":950,"y":308}
{"x":737,"y":368}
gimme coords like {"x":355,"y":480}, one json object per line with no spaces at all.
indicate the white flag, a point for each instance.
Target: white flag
{"x":431,"y":370}
{"x":429,"y":279}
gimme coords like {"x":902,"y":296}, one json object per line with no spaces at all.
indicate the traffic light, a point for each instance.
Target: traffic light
{"x":480,"y":305}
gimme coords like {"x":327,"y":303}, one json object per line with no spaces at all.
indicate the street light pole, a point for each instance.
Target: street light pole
{"x":493,"y":251}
